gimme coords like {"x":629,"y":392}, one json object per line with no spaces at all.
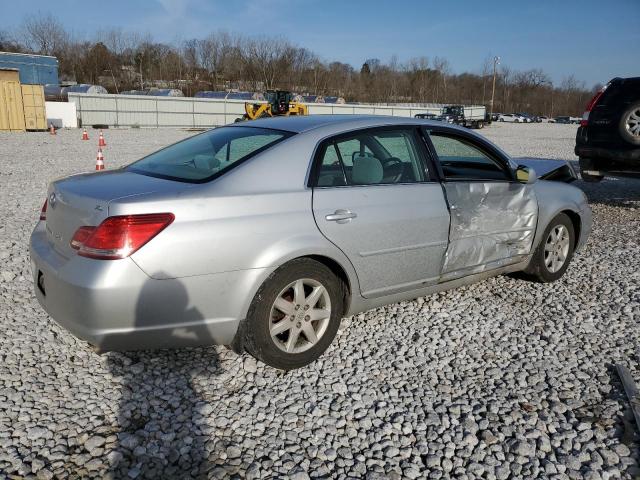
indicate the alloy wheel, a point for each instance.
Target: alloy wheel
{"x":556,"y":249}
{"x":300,"y":315}
{"x":633,"y":123}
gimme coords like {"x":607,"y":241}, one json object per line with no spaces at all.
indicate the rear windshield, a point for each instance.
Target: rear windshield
{"x":208,"y":155}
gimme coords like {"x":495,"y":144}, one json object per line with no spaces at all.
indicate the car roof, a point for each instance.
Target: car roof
{"x":304,"y":123}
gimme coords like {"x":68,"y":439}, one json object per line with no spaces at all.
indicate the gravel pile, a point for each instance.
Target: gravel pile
{"x":502,"y":379}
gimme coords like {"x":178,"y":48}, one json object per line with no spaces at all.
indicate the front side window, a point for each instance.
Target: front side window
{"x":371,"y":157}
{"x":462,"y":160}
{"x":208,"y":155}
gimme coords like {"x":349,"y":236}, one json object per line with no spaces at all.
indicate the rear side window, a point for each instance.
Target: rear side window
{"x":331,"y":170}
{"x":208,"y":155}
{"x":371,"y":157}
{"x":462,"y":160}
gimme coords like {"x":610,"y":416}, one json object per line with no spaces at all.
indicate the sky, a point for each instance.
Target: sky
{"x":594,"y":40}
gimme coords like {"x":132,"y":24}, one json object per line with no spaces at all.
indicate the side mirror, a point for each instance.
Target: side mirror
{"x":526,"y":174}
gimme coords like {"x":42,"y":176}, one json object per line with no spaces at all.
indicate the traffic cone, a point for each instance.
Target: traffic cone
{"x":100,"y":160}
{"x":52,"y":129}
{"x":101,"y":142}
{"x":85,"y":135}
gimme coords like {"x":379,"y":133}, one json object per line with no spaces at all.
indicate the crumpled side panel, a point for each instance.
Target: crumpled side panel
{"x":490,"y":224}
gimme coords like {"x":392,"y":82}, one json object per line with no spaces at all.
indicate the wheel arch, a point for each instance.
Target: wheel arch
{"x":555,"y":198}
{"x":576,"y":221}
{"x":339,"y":271}
{"x":346,"y":275}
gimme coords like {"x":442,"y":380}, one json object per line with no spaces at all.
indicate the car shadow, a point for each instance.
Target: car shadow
{"x":160,"y":426}
{"x":613,"y":192}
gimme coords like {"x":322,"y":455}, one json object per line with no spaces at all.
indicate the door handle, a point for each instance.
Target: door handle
{"x":340,"y":216}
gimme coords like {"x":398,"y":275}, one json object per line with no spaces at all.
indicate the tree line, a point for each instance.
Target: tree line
{"x":121,"y":60}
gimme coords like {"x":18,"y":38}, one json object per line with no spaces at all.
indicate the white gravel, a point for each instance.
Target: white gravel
{"x":502,"y":379}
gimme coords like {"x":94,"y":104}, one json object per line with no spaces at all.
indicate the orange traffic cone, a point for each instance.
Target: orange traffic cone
{"x":85,"y":135}
{"x":101,"y":142}
{"x":100,"y":160}
{"x":52,"y":129}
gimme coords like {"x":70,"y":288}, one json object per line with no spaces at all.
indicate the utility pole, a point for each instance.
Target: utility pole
{"x":141,"y":81}
{"x":496,"y":61}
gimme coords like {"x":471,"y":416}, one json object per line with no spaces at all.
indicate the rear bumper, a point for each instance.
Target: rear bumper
{"x":629,"y":156}
{"x":114,"y":305}
{"x":599,"y":166}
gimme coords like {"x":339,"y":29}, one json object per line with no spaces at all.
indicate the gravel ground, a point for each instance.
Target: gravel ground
{"x":502,"y":379}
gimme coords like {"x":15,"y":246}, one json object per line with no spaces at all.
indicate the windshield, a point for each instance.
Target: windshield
{"x":206,"y":156}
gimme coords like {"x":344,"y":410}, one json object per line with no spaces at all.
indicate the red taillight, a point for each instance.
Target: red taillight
{"x":592,"y":103}
{"x":43,"y":212}
{"x":81,"y":236}
{"x":119,"y":237}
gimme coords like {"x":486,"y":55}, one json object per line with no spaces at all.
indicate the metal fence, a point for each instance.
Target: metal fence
{"x":155,"y":112}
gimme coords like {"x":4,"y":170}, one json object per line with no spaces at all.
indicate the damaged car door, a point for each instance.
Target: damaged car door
{"x":493,"y":216}
{"x":378,"y":202}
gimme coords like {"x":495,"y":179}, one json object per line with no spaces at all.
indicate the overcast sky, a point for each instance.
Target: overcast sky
{"x":593,"y":39}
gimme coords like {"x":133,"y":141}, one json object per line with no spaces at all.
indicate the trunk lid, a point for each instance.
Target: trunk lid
{"x":84,"y":200}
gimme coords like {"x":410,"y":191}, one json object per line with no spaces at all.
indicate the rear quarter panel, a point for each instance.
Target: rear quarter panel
{"x":256,"y":216}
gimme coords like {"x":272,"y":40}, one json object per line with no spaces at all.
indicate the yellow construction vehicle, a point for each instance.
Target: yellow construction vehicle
{"x":279,"y":103}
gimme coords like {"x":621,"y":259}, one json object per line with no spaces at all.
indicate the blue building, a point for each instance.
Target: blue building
{"x":34,"y":69}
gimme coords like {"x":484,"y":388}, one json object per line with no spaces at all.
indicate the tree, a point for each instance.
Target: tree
{"x":8,"y":43}
{"x":44,"y":34}
{"x":223,"y":60}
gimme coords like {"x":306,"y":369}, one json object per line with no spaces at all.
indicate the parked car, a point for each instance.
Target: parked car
{"x":527,"y":118}
{"x":511,"y":117}
{"x":564,"y":119}
{"x":608,"y":140}
{"x":264,"y":236}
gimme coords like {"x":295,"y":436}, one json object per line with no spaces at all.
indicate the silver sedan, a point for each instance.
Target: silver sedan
{"x":263,"y":235}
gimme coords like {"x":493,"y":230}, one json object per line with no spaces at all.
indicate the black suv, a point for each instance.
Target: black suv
{"x":608,"y":140}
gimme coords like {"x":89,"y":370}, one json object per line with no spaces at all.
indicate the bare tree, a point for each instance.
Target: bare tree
{"x":224,"y":60}
{"x":8,"y":42}
{"x":43,"y":33}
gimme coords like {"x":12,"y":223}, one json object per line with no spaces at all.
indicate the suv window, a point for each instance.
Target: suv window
{"x":462,"y":160}
{"x":371,"y":157}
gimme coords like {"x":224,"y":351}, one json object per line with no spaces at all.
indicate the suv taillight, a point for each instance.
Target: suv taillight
{"x":118,"y":237}
{"x":43,"y":211}
{"x":592,"y":103}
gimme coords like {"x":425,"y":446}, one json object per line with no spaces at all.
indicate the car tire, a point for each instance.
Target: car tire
{"x":480,"y":125}
{"x":629,"y":126}
{"x":552,"y":257}
{"x":501,"y":119}
{"x":290,"y":286}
